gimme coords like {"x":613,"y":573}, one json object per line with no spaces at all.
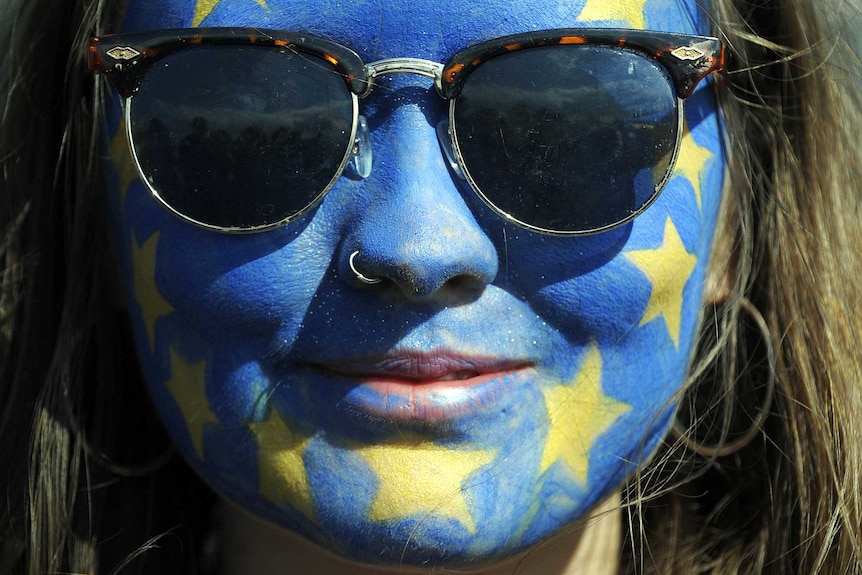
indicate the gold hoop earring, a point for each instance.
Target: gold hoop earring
{"x":729,"y":390}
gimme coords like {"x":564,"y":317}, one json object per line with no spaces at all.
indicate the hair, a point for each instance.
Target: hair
{"x":787,"y":240}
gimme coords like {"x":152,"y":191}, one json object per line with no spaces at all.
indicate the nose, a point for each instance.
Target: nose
{"x":414,"y":231}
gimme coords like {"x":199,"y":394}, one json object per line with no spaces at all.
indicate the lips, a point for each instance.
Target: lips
{"x":425,"y":387}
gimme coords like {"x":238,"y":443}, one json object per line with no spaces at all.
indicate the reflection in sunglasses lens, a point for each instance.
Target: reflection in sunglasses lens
{"x":567,"y":138}
{"x":240,"y":136}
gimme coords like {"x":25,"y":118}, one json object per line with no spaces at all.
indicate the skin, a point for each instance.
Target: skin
{"x":256,"y":347}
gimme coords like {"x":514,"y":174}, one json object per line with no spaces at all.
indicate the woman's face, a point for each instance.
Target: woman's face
{"x":498,"y":382}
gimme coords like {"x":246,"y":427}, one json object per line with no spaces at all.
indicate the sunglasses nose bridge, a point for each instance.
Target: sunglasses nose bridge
{"x":389,"y":66}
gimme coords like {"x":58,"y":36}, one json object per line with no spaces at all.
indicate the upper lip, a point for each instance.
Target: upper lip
{"x":413,"y":366}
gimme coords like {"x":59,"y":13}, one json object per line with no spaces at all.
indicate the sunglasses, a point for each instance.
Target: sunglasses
{"x":566,"y":132}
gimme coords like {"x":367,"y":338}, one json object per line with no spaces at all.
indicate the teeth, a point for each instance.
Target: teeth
{"x":459,"y":375}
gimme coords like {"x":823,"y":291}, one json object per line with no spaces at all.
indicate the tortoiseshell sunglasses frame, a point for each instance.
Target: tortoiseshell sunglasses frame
{"x":688,"y":59}
{"x":122,"y":58}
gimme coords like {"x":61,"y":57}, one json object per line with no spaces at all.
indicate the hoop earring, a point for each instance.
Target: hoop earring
{"x":104,"y":460}
{"x":79,"y":342}
{"x":722,"y":447}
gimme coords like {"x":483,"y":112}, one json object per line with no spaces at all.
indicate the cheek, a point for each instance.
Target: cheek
{"x":637,"y":291}
{"x":191,"y":291}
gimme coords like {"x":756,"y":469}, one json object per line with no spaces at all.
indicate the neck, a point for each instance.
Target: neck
{"x":251,"y":546}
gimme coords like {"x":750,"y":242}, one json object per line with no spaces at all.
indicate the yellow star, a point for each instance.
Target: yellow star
{"x":422,"y":478}
{"x":281,"y":467}
{"x":121,"y":158}
{"x":153,"y":305}
{"x":691,"y":161}
{"x":668,"y":268}
{"x":579,"y":412}
{"x":187,"y":385}
{"x":204,"y":7}
{"x":628,"y":11}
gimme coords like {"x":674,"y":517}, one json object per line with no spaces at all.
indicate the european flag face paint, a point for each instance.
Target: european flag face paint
{"x":493,"y":389}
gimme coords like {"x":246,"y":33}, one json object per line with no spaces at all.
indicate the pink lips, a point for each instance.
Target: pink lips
{"x":426,"y":387}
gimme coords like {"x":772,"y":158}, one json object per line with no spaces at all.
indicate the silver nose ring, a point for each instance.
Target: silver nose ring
{"x":359,"y":275}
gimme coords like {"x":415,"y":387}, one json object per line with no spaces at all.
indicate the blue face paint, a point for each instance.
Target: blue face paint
{"x":495,"y":387}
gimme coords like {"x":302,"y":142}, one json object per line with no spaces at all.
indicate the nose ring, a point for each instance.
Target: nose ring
{"x":359,"y":275}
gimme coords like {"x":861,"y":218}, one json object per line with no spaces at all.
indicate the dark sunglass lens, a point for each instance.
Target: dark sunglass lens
{"x":241,"y":136}
{"x":568,"y":138}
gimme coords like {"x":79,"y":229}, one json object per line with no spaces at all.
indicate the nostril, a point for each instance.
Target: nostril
{"x":462,"y":289}
{"x":456,"y":289}
{"x":465,"y":283}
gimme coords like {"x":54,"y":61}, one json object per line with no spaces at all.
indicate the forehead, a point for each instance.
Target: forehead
{"x":432,"y":29}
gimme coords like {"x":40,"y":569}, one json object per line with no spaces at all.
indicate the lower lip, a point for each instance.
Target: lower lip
{"x":432,"y":401}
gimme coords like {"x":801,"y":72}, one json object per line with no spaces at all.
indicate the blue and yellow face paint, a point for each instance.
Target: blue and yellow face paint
{"x":340,"y":411}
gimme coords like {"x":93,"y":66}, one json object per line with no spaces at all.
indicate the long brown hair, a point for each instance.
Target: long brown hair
{"x":76,"y":495}
{"x":80,"y":493}
{"x":789,"y":239}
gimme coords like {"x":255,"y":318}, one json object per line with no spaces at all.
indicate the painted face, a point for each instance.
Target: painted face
{"x":498,"y":382}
